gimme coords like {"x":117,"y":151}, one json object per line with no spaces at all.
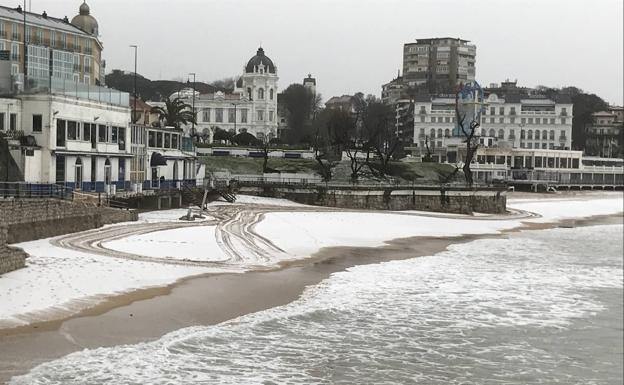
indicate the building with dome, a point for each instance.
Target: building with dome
{"x":57,"y":51}
{"x":251,"y":107}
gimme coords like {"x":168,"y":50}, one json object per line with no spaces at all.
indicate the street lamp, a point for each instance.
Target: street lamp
{"x":134,"y":112}
{"x":193,"y":112}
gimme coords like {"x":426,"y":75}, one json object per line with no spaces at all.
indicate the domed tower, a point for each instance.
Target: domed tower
{"x":85,"y":21}
{"x":259,"y":85}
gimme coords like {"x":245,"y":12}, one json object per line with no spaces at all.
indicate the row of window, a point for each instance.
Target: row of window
{"x":84,"y":131}
{"x":512,"y":111}
{"x":12,"y":121}
{"x":37,"y":35}
{"x":501,"y":120}
{"x":524,"y":134}
{"x":159,"y":139}
{"x":260,"y":93}
{"x":207,"y":115}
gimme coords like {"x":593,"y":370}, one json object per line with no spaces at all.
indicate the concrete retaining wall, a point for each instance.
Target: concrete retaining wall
{"x":433,"y":199}
{"x":24,"y":220}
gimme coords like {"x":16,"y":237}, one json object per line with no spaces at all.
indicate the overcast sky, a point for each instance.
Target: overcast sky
{"x":356,"y":45}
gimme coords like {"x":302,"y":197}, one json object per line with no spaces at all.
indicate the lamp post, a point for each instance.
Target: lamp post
{"x":193,"y":106}
{"x":134,"y":110}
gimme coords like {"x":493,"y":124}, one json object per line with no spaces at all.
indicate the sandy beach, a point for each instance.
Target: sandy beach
{"x":210,"y":298}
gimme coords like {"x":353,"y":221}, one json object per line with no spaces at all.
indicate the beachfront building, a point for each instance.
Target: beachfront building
{"x":511,"y":118}
{"x":78,"y":142}
{"x":251,"y":107}
{"x":163,"y":157}
{"x":605,"y":135}
{"x":57,"y":51}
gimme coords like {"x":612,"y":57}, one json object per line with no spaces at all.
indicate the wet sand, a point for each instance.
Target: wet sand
{"x":148,"y":314}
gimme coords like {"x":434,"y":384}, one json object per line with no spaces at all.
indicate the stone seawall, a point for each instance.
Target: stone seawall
{"x":24,"y":220}
{"x":11,"y":258}
{"x":462,"y":201}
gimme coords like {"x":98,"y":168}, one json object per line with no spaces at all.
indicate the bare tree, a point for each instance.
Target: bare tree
{"x":468,"y":121}
{"x":383,"y":136}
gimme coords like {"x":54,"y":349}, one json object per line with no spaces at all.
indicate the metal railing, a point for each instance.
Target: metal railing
{"x":34,"y":190}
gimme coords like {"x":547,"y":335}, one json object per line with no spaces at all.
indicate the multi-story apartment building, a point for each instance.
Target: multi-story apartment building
{"x":510,"y":120}
{"x":605,"y":135}
{"x":440,"y":64}
{"x":57,"y":50}
{"x":251,"y":107}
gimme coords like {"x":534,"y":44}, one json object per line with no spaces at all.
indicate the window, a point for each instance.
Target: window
{"x":114,"y":133}
{"x":249,"y":96}
{"x":174,"y":141}
{"x":522,"y":120}
{"x":60,"y":169}
{"x":167,"y":140}
{"x":1,"y":121}
{"x":260,"y":114}
{"x":544,"y":135}
{"x":151,"y":139}
{"x":552,"y":135}
{"x":530,"y":134}
{"x":491,"y":120}
{"x":552,"y":120}
{"x":501,"y":120}
{"x":270,"y":116}
{"x":512,"y":120}
{"x":492,"y":110}
{"x":159,"y":139}
{"x":86,"y":131}
{"x":271,"y":94}
{"x":439,"y":132}
{"x":501,"y":110}
{"x":260,"y":93}
{"x":37,"y":123}
{"x":231,"y":115}
{"x":563,"y":120}
{"x":447,"y":119}
{"x":102,"y":133}
{"x":432,"y":133}
{"x":72,"y":130}
{"x":501,"y":134}
{"x":537,"y":134}
{"x":512,"y":111}
{"x":422,"y":119}
{"x":219,"y":115}
{"x":244,"y":115}
{"x":530,"y":120}
{"x":206,"y":115}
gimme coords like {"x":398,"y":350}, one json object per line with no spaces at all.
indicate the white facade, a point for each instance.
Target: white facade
{"x":527,"y":122}
{"x":252,"y":107}
{"x":80,"y":143}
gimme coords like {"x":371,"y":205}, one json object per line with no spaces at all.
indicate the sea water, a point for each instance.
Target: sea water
{"x":538,"y":307}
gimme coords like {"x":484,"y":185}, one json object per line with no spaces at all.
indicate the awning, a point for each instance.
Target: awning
{"x":157,"y":160}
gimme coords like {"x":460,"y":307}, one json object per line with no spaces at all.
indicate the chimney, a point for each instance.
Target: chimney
{"x":45,"y":15}
{"x":19,"y":9}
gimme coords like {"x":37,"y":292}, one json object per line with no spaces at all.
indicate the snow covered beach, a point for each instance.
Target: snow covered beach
{"x":70,"y":273}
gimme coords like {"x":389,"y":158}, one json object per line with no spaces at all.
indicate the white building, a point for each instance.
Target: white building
{"x":81,"y":143}
{"x":511,"y":120}
{"x":251,"y":107}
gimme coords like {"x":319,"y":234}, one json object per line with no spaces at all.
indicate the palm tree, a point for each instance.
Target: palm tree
{"x":175,"y":113}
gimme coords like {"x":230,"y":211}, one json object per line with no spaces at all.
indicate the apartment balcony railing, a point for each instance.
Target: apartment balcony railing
{"x":538,"y":112}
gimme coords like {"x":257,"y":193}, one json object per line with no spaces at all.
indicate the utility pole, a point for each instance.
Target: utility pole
{"x":193,"y":106}
{"x":134,"y":111}
{"x":24,"y":44}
